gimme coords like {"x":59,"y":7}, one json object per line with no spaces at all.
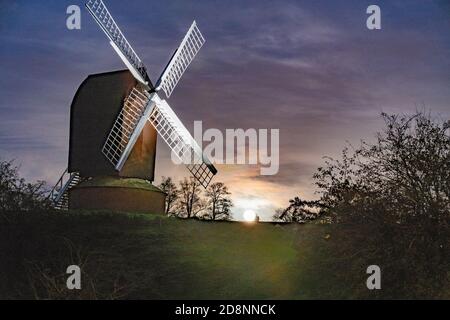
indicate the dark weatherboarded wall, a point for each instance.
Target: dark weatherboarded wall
{"x":93,"y":111}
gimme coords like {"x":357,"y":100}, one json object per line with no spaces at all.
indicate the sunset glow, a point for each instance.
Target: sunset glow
{"x":249,"y":215}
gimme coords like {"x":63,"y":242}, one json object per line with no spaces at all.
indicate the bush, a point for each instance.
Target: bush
{"x":405,"y":174}
{"x":393,"y":199}
{"x":18,"y":195}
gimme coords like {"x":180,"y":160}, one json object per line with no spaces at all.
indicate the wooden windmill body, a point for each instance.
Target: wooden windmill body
{"x":94,"y":109}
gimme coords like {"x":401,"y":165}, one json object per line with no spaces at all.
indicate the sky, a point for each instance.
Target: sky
{"x":311,"y":69}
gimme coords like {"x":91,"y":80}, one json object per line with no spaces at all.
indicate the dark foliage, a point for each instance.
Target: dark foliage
{"x":392,"y":198}
{"x":299,"y":210}
{"x":405,"y":174}
{"x":218,"y":202}
{"x":188,"y":200}
{"x":18,"y":195}
{"x":172,"y":195}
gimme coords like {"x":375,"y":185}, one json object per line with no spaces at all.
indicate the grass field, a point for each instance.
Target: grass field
{"x":155,"y":257}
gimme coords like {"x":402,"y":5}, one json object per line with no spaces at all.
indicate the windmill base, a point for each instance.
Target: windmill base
{"x":117,"y":194}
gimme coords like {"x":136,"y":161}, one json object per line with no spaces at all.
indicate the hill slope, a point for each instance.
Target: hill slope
{"x":153,"y":257}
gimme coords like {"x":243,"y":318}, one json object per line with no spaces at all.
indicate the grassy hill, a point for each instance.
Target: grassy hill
{"x":155,"y":257}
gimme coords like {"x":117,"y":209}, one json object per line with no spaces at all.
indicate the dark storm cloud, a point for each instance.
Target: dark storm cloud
{"x":310,"y":68}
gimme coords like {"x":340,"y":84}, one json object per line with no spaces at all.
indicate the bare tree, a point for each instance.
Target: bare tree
{"x":172,"y":194}
{"x":218,"y":201}
{"x":190,"y":202}
{"x":18,"y":195}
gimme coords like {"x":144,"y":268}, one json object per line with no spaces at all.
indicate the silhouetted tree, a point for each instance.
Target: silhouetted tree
{"x":190,"y":202}
{"x":172,"y":194}
{"x":392,"y":197}
{"x":405,"y":173}
{"x":218,"y":201}
{"x":18,"y":195}
{"x":299,"y":211}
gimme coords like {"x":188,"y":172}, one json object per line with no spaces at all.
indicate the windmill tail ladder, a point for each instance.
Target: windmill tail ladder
{"x":59,"y":195}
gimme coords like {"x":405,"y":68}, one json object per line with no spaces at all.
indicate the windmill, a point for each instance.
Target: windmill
{"x":141,"y":106}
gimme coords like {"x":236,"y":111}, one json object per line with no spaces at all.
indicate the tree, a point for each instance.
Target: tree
{"x":218,"y":201}
{"x":392,"y":200}
{"x":299,"y":211}
{"x":404,"y":174}
{"x":172,"y":194}
{"x":190,"y":202}
{"x":392,"y":197}
{"x":18,"y":195}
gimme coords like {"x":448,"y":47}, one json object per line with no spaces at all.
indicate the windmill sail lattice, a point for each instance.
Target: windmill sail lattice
{"x":186,"y":52}
{"x":180,"y":141}
{"x":120,"y":44}
{"x":127,"y":127}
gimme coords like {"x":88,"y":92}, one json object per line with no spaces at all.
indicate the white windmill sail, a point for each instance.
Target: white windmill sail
{"x":118,"y":41}
{"x":180,"y":141}
{"x":186,"y":52}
